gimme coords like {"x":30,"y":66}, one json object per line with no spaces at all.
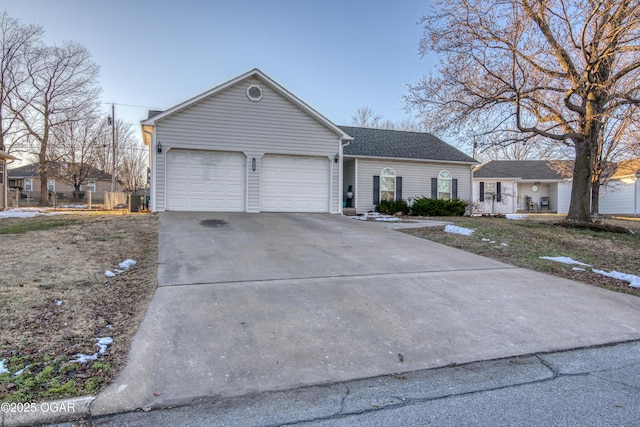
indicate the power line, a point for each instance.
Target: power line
{"x":130,"y":105}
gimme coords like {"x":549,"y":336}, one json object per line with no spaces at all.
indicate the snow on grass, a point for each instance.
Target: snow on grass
{"x":102,"y":344}
{"x":26,"y":213}
{"x":375,"y":216}
{"x":515,"y":216}
{"x":458,"y":230}
{"x":578,"y":269}
{"x":634,"y":281}
{"x":565,"y":260}
{"x":3,"y":368}
{"x":74,"y":206}
{"x":124,"y":266}
{"x":127,"y":263}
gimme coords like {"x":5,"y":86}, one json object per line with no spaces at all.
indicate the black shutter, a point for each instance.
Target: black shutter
{"x":498,"y":191}
{"x":376,"y":190}
{"x":434,"y":188}
{"x":454,"y":188}
{"x":481,"y":191}
{"x":399,"y":188}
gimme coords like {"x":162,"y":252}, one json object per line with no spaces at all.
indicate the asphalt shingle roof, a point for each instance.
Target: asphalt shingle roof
{"x":401,"y":144}
{"x":523,"y":169}
{"x":31,"y":171}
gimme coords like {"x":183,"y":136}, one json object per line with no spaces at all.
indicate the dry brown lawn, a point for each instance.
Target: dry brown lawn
{"x":55,"y":299}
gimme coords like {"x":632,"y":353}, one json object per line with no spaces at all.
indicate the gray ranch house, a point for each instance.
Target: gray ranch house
{"x":250,"y":145}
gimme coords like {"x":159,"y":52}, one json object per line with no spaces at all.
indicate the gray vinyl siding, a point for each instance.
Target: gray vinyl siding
{"x":416,"y":179}
{"x":229,"y":121}
{"x":618,"y":198}
{"x":348,"y":177}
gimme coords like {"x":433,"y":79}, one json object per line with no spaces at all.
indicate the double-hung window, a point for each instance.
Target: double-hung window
{"x":387,"y":185}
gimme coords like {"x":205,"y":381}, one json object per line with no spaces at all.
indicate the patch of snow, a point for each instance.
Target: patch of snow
{"x":102,"y":344}
{"x":74,"y":206}
{"x":58,"y":302}
{"x":20,"y":213}
{"x":515,"y":216}
{"x":634,"y":281}
{"x":3,"y":368}
{"x":578,"y":269}
{"x":492,"y":242}
{"x":109,"y":273}
{"x":127,"y":263}
{"x":504,"y":244}
{"x":458,"y":230}
{"x":484,"y":239}
{"x":21,"y":371}
{"x":376,"y":216}
{"x":565,"y":260}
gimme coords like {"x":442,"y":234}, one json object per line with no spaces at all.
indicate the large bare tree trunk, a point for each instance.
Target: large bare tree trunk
{"x":579,"y":209}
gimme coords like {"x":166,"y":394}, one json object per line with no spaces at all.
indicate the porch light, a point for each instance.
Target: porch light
{"x":159,"y":147}
{"x":337,"y":157}
{"x":253,"y":164}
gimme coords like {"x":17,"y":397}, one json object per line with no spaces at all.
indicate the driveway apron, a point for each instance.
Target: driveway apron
{"x":261,"y":302}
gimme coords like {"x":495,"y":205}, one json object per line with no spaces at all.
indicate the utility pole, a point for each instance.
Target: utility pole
{"x":113,"y":147}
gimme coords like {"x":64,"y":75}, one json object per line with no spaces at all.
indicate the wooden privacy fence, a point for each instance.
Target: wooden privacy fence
{"x":111,"y":200}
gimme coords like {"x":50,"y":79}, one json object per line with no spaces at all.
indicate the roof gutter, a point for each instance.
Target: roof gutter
{"x":355,"y":156}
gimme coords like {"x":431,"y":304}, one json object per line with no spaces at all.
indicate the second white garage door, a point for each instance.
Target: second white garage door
{"x":295,"y":184}
{"x":205,"y":181}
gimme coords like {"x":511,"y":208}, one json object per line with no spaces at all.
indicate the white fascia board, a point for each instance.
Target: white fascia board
{"x":404,"y":159}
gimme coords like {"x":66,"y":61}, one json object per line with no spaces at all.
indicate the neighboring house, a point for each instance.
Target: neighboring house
{"x":249,"y":145}
{"x":4,"y":181}
{"x":509,"y":186}
{"x":621,"y":194}
{"x":386,"y":164}
{"x":27,"y":180}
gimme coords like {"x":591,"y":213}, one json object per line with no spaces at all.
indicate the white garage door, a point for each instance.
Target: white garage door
{"x":205,"y":181}
{"x":295,"y":184}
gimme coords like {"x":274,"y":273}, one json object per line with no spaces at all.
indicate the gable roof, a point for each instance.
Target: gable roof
{"x":627,"y":168}
{"x":31,"y":171}
{"x":524,"y":169}
{"x":371,"y":142}
{"x":155,"y":115}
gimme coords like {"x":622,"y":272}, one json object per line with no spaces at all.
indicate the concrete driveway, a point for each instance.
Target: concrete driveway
{"x":261,"y":302}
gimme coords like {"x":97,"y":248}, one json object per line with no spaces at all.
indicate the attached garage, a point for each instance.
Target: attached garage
{"x":295,"y":184}
{"x":247,"y":145}
{"x":205,"y":181}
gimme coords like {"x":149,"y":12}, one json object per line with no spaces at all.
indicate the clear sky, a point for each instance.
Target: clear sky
{"x":334,"y":55}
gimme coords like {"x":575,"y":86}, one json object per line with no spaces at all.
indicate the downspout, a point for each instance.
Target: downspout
{"x":341,"y":175}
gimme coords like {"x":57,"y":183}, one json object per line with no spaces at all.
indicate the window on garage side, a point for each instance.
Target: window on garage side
{"x":387,"y":185}
{"x":444,"y":185}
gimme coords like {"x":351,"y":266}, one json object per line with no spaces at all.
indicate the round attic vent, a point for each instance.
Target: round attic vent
{"x":254,"y":93}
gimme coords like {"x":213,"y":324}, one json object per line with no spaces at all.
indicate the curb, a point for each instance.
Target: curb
{"x":50,"y":412}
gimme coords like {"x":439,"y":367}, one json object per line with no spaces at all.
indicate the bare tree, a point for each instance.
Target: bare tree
{"x":366,"y":118}
{"x":62,"y":88}
{"x":74,"y":148}
{"x":132,"y":159}
{"x":15,"y":40}
{"x":551,"y":69}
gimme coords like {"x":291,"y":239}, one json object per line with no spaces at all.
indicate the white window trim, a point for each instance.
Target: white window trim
{"x":51,"y":185}
{"x":394,"y":176}
{"x":90,"y":186}
{"x":442,"y":178}
{"x":28,"y":184}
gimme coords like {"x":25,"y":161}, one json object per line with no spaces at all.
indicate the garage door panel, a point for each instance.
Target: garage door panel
{"x":205,"y":181}
{"x":295,"y":184}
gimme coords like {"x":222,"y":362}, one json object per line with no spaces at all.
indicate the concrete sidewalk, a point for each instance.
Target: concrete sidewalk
{"x":254,"y":303}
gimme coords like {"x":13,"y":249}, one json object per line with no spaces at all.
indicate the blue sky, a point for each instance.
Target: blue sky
{"x":334,"y":55}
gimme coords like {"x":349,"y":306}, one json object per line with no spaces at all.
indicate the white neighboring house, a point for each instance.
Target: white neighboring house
{"x":510,"y":186}
{"x":621,"y":195}
{"x":4,"y":178}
